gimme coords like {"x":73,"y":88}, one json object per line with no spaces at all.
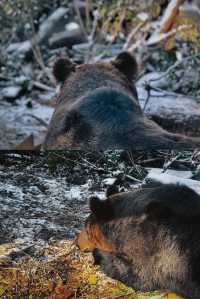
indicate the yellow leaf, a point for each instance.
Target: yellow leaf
{"x":2,"y":291}
{"x":170,"y":44}
{"x":92,"y":279}
{"x":124,"y":288}
{"x":173,"y":296}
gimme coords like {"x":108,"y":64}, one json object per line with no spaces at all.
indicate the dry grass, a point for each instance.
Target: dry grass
{"x":61,"y":272}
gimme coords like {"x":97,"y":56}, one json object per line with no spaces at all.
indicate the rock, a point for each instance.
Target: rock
{"x":70,"y":36}
{"x":109,"y":181}
{"x":153,"y":79}
{"x":157,"y":175}
{"x":17,"y":122}
{"x":21,"y":80}
{"x":79,"y":48}
{"x":11,"y":92}
{"x":174,"y":112}
{"x":53,"y":24}
{"x":20,"y":48}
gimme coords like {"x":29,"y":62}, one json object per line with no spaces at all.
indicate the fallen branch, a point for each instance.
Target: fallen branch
{"x":80,"y":20}
{"x":148,"y":90}
{"x":169,"y":15}
{"x":35,"y":46}
{"x":42,"y":86}
{"x":175,"y":65}
{"x":167,"y":164}
{"x":162,"y":33}
{"x":41,"y":121}
{"x":132,"y":34}
{"x":159,"y":37}
{"x":91,"y":36}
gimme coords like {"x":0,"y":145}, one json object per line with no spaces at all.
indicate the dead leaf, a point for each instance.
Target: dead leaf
{"x":2,"y":291}
{"x":26,"y":144}
{"x":62,"y":292}
{"x":92,"y":279}
{"x":29,"y":144}
{"x":173,"y":296}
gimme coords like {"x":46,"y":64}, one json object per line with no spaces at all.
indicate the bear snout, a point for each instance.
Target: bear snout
{"x":97,"y":256}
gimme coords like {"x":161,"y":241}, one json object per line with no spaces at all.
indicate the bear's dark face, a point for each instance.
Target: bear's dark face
{"x":105,"y":214}
{"x":92,"y":237}
{"x":148,"y":239}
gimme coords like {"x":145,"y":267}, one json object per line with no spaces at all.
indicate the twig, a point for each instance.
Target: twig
{"x":132,"y":178}
{"x":38,"y":119}
{"x":132,"y":34}
{"x":94,"y":166}
{"x":94,"y":25}
{"x":43,"y":86}
{"x":159,"y":37}
{"x":39,"y":59}
{"x":92,"y":35}
{"x":80,"y":20}
{"x":152,"y":160}
{"x":148,"y":89}
{"x":141,"y":74}
{"x":35,"y":47}
{"x":164,"y":92}
{"x":163,"y":32}
{"x":170,"y":162}
{"x":174,"y":66}
{"x":88,"y":8}
{"x":169,"y":15}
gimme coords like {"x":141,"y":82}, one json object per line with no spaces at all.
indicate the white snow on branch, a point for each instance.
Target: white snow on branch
{"x":174,"y":177}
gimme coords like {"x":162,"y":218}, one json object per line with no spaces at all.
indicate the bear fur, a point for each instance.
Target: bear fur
{"x":98,"y":109}
{"x":148,"y":239}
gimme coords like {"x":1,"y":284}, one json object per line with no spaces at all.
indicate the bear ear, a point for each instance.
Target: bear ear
{"x":63,"y":67}
{"x":127,"y":64}
{"x":158,"y":210}
{"x":111,"y":190}
{"x":101,"y":209}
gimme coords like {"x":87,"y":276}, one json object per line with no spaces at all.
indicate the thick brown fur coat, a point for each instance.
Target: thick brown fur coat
{"x":98,"y":109}
{"x":148,"y":239}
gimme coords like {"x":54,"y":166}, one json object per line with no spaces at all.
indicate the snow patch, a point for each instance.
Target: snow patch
{"x":172,"y":178}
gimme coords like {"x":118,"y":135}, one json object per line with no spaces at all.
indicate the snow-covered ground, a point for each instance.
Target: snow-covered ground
{"x":37,"y":206}
{"x":173,"y":177}
{"x":17,"y":122}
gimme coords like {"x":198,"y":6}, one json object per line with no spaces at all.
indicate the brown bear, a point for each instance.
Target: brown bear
{"x":98,"y":109}
{"x":148,"y":239}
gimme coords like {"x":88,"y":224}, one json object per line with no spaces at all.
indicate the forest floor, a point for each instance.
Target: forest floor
{"x":44,"y":203}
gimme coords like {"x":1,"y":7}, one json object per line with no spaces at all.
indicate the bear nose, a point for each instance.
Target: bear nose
{"x":97,"y":256}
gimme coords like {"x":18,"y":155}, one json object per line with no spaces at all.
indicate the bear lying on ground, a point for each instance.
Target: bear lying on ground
{"x":98,"y":109}
{"x":149,"y":239}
